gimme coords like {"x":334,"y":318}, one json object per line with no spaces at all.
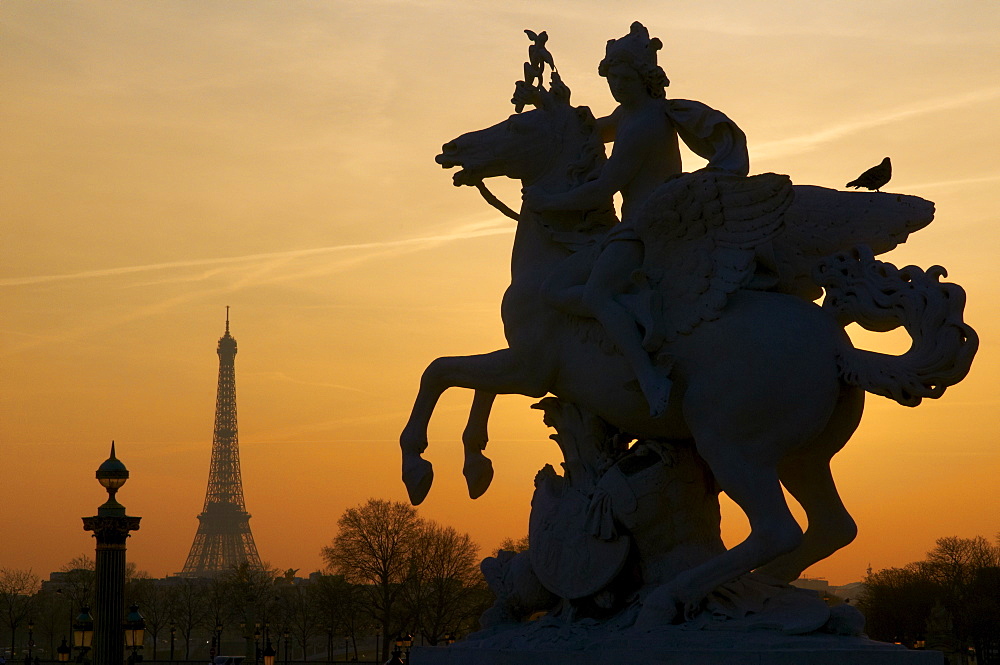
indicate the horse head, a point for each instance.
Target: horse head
{"x":529,"y":146}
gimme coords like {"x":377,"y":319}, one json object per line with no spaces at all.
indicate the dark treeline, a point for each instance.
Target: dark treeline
{"x":948,"y":602}
{"x":390,"y":572}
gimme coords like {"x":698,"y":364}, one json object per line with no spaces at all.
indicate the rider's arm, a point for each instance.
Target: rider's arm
{"x":626,"y":159}
{"x":607,"y":127}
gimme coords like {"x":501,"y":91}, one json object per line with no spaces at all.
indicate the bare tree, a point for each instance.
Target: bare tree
{"x":79,"y":579}
{"x":156,"y":603}
{"x":186,"y":599}
{"x":50,"y":617}
{"x":219,"y":610}
{"x":958,"y":581}
{"x":251,"y":595}
{"x":511,"y":545}
{"x":445,"y":589}
{"x":341,"y":606}
{"x":375,"y":547}
{"x":299,"y":612}
{"x":17,"y":591}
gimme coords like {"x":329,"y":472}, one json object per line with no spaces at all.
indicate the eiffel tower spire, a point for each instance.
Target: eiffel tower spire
{"x":223,"y":539}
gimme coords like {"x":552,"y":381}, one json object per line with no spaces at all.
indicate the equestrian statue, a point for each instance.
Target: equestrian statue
{"x":680,"y":351}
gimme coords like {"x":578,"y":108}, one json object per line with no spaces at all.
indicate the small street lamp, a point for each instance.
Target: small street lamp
{"x":217,"y":644}
{"x":286,"y":635}
{"x":407,"y":642}
{"x":83,"y":633}
{"x":69,"y":603}
{"x":403,"y":644}
{"x":269,"y":653}
{"x":135,"y":632}
{"x":63,"y":651}
{"x":396,"y":659}
{"x":256,"y":644}
{"x":31,"y":637}
{"x":173,"y":634}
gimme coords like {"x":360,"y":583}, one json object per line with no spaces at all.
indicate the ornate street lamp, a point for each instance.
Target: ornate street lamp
{"x":63,"y":651}
{"x":256,"y":644}
{"x":285,"y":634}
{"x":135,"y":631}
{"x":83,"y":633}
{"x":111,"y":528}
{"x":269,"y":653}
{"x":173,"y":633}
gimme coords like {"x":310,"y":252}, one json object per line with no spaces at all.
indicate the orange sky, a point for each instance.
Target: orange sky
{"x":163,"y":160}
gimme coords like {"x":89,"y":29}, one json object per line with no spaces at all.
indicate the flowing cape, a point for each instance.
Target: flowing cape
{"x":711,"y":135}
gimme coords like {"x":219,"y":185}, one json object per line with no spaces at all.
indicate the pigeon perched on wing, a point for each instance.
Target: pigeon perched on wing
{"x":874,"y":178}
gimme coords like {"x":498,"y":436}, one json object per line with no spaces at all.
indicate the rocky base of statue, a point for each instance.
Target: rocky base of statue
{"x":623,"y":521}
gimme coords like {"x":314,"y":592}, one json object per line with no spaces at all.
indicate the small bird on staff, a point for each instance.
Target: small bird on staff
{"x":874,"y":178}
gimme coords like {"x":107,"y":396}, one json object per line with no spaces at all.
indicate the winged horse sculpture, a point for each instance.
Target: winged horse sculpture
{"x":767,"y":384}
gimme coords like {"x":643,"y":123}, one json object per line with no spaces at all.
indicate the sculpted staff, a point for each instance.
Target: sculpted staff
{"x":644,"y":129}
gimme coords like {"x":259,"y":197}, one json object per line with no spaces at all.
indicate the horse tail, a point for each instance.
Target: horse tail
{"x":880,"y":297}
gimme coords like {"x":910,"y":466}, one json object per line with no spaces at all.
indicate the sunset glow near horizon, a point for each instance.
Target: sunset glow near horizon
{"x":165,"y":160}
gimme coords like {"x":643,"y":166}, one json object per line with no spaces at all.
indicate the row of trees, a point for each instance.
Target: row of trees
{"x":414,"y":575}
{"x":950,"y":601}
{"x":390,"y":572}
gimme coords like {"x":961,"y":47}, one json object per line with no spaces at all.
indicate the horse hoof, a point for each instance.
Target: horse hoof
{"x":478,"y":472}
{"x":418,"y":475}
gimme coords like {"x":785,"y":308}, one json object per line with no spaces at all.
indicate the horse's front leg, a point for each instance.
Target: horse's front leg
{"x":478,"y":469}
{"x":499,"y":372}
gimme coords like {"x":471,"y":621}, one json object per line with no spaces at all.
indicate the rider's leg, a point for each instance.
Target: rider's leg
{"x":564,"y":288}
{"x":610,"y":277}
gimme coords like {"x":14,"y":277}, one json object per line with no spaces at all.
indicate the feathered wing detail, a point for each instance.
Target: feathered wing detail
{"x":822,"y":221}
{"x":700,"y":231}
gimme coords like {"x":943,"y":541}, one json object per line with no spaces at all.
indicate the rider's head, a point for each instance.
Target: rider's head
{"x":637,"y":51}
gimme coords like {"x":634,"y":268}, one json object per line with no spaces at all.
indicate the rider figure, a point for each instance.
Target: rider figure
{"x":644,"y":129}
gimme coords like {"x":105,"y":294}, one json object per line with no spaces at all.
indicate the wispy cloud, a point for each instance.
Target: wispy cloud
{"x":960,"y":182}
{"x":805,"y":142}
{"x":281,"y":376}
{"x":241,"y":272}
{"x":357,"y":253}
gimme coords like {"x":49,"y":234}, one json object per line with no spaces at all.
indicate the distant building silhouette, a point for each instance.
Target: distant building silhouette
{"x":223,"y":539}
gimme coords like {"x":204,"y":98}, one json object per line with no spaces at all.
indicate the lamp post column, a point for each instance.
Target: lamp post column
{"x":111,"y":527}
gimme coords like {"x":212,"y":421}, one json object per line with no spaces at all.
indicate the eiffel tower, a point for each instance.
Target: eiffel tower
{"x":223,"y":539}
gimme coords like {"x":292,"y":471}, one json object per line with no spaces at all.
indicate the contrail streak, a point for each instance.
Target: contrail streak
{"x":798,"y":144}
{"x":468,"y":231}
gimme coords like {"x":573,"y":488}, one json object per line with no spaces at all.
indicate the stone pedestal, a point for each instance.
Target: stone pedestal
{"x":816,"y":654}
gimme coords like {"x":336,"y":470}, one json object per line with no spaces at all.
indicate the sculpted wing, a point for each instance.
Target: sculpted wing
{"x":822,"y":221}
{"x":701,"y":232}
